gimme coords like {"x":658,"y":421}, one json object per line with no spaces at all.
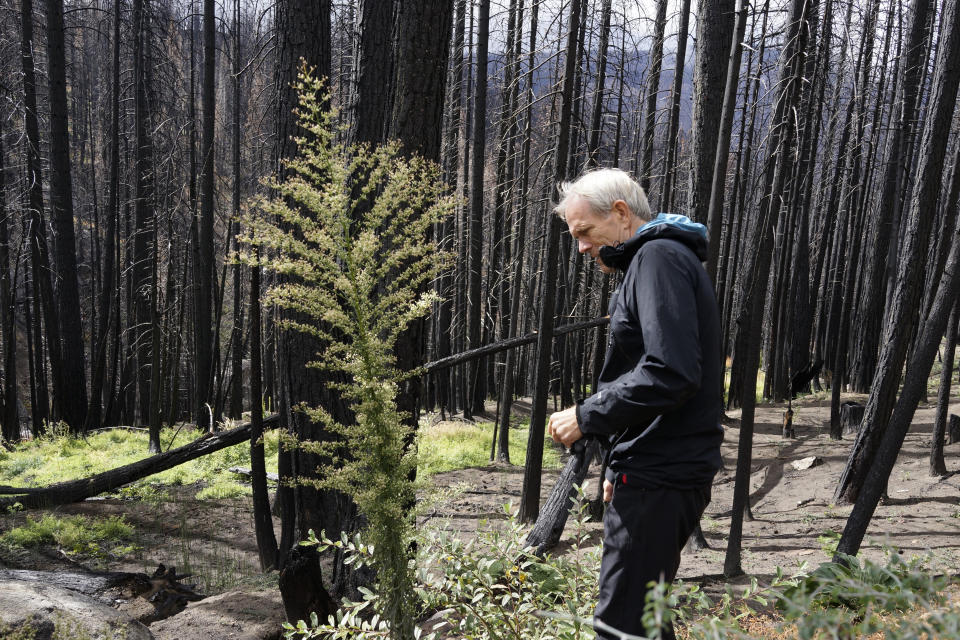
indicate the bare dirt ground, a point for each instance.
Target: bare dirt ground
{"x":794,"y":520}
{"x":794,"y":516}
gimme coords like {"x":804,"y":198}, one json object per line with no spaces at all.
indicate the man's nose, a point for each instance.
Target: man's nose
{"x":583,"y":246}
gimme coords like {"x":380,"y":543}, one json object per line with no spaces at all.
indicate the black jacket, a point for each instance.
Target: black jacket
{"x":659,"y":394}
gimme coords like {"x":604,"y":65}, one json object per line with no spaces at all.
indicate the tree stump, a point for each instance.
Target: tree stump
{"x":851,"y":415}
{"x":301,"y":586}
{"x":953,"y":429}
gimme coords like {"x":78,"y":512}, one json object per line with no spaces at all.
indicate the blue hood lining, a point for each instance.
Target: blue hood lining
{"x":675,"y":220}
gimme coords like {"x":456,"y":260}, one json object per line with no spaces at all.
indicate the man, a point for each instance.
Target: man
{"x":658,"y":399}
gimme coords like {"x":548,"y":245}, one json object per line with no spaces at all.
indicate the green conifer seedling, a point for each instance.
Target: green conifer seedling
{"x":348,"y":229}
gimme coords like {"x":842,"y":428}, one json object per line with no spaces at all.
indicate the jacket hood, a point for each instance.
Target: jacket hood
{"x":671,"y":226}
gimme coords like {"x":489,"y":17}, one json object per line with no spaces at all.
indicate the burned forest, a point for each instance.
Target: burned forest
{"x":313,"y":243}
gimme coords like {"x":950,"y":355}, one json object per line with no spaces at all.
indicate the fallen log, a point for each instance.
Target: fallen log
{"x":5,"y":490}
{"x":553,"y":516}
{"x":243,"y":471}
{"x":83,"y":488}
{"x":504,"y":345}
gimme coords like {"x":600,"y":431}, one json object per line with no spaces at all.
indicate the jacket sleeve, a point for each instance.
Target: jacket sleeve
{"x":662,"y":298}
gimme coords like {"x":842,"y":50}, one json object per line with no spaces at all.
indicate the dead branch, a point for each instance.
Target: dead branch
{"x":511,"y":343}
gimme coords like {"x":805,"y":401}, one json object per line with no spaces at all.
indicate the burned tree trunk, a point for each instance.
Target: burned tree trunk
{"x":10,"y":418}
{"x":262,"y":521}
{"x":851,"y":417}
{"x":937,"y":466}
{"x":73,"y":399}
{"x":896,"y":163}
{"x":715,"y":31}
{"x":909,"y":285}
{"x":553,"y":517}
{"x":473,"y":403}
{"x":530,"y":498}
{"x":931,"y":333}
{"x":757,"y":270}
{"x":670,"y":168}
{"x":653,"y":90}
{"x":714,"y":205}
{"x":301,"y":586}
{"x":953,"y":429}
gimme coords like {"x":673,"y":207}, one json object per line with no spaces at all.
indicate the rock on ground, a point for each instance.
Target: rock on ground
{"x":57,"y":613}
{"x":806,"y":463}
{"x":234,"y":615}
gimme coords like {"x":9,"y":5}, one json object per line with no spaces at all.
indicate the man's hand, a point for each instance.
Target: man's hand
{"x":563,"y":427}
{"x":607,"y":490}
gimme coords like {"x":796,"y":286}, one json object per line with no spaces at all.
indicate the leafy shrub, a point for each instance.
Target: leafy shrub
{"x":491,"y":587}
{"x":853,"y":596}
{"x":828,"y":542}
{"x":852,"y":599}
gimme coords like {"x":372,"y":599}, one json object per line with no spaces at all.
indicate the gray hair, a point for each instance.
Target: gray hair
{"x":601,"y":188}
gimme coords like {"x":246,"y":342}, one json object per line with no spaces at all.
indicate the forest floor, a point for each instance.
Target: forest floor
{"x":794,"y":520}
{"x":794,"y":516}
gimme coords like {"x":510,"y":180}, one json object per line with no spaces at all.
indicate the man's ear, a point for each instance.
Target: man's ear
{"x":622,"y":210}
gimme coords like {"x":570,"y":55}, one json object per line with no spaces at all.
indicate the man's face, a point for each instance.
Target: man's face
{"x":592,"y":230}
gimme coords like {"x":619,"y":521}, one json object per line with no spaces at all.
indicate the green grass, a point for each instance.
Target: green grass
{"x":447,"y":446}
{"x":57,"y":458}
{"x":73,"y":534}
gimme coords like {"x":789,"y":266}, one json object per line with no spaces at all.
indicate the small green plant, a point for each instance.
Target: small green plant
{"x":23,"y":631}
{"x":828,"y":542}
{"x":214,"y":567}
{"x":349,"y":232}
{"x":151,"y":493}
{"x":74,"y":534}
{"x":710,"y":524}
{"x":222,"y":490}
{"x":858,"y":584}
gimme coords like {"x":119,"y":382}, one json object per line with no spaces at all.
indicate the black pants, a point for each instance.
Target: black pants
{"x":644,"y":532}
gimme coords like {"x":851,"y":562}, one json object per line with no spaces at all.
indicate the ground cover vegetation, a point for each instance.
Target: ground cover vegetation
{"x":74,"y":534}
{"x":59,"y":456}
{"x":55,"y":458}
{"x":493,"y":587}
